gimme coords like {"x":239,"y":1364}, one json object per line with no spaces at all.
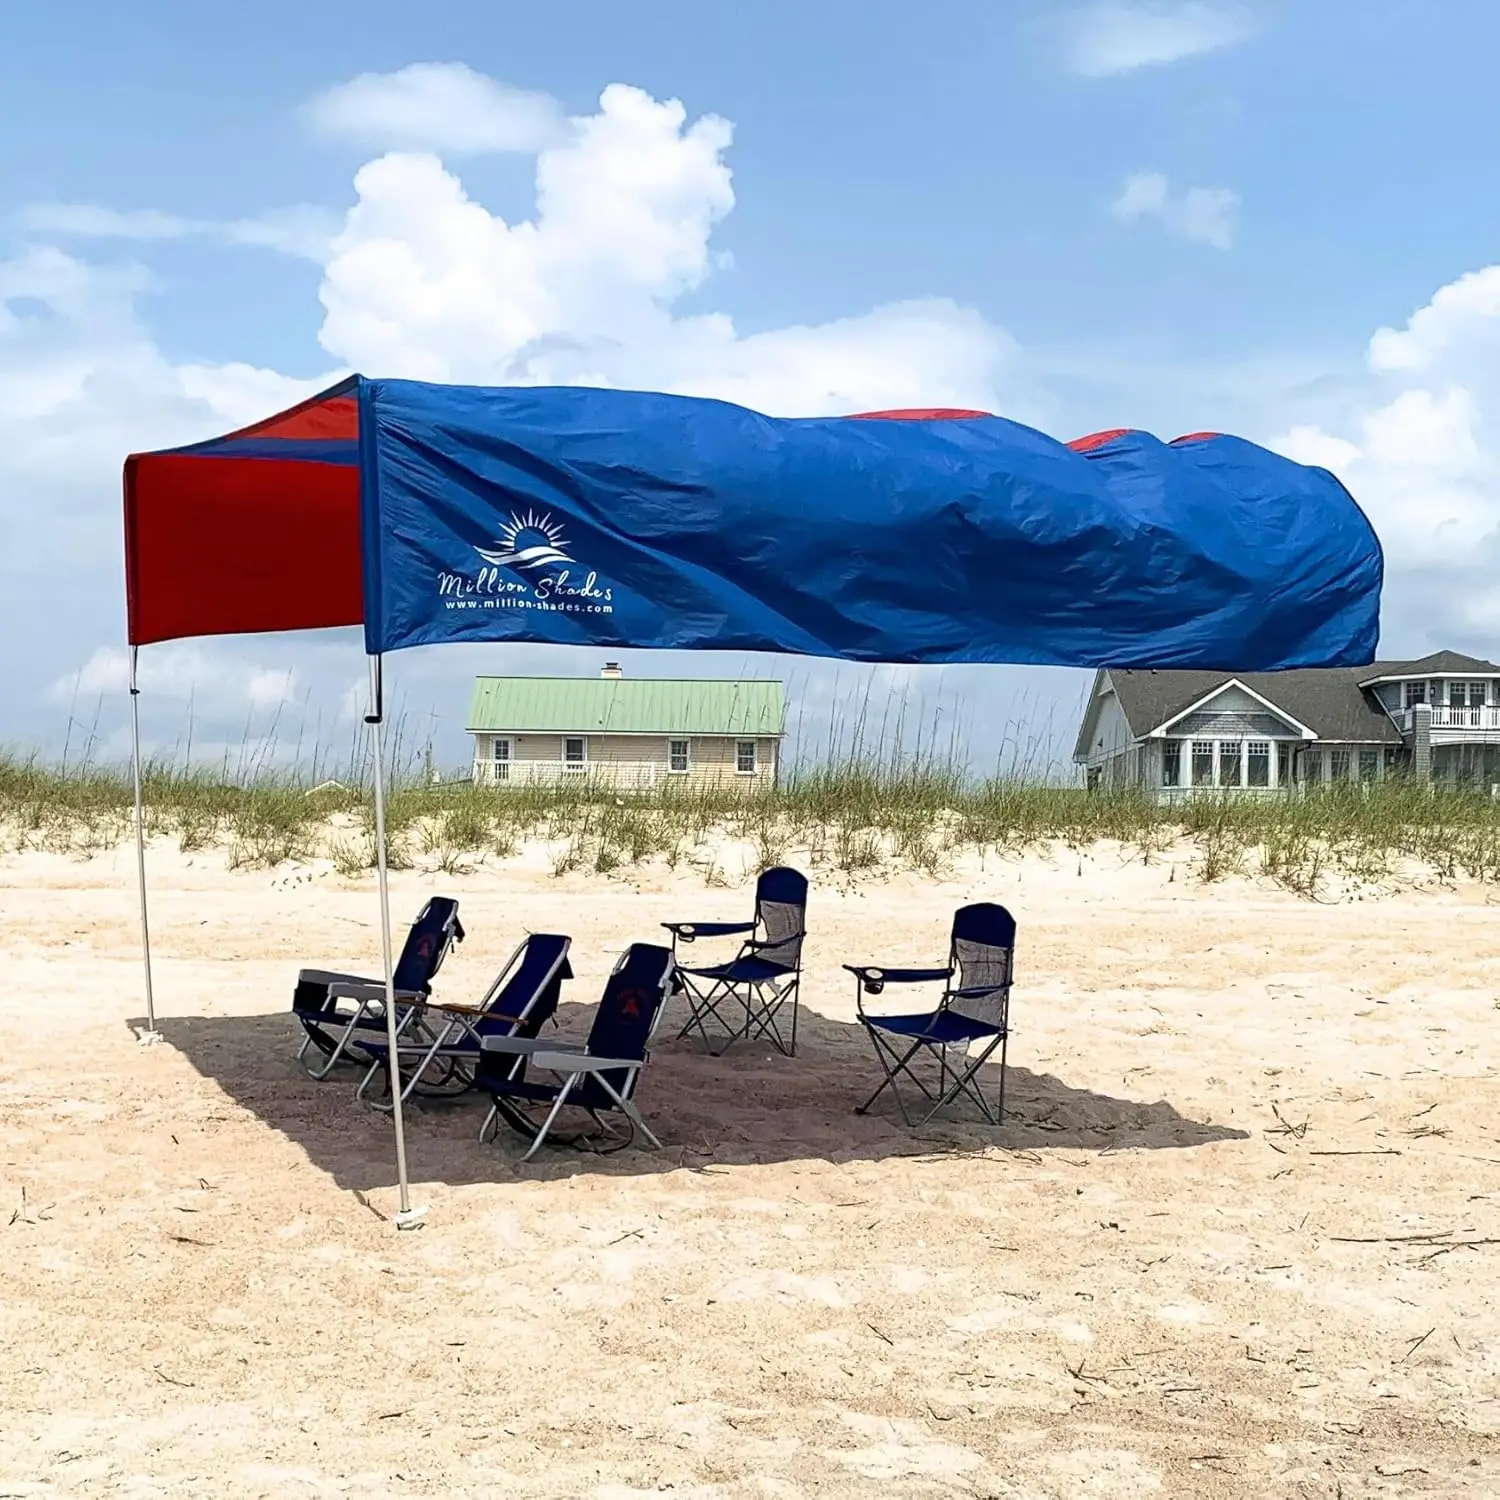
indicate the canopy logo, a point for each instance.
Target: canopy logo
{"x":530,"y":568}
{"x":529,"y":541}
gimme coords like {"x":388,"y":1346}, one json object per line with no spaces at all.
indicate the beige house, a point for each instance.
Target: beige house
{"x":637,"y":734}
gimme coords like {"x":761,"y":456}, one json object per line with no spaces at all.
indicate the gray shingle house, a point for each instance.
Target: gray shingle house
{"x":1176,"y":732}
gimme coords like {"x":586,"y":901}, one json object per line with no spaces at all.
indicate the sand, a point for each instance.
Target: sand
{"x":1240,"y":1237}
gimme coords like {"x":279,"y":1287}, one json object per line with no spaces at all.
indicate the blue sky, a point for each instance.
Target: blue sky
{"x":1175,"y":214}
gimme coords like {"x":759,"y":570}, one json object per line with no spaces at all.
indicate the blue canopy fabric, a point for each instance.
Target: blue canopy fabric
{"x":618,"y":518}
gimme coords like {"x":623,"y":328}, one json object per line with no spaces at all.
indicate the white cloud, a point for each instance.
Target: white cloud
{"x":424,"y":281}
{"x":214,"y":678}
{"x":1119,"y":36}
{"x":1209,"y":216}
{"x":303,"y":231}
{"x":445,"y":107}
{"x":1415,"y":439}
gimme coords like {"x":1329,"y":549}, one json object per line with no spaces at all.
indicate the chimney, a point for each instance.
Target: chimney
{"x":612,"y":669}
{"x":1421,"y":741}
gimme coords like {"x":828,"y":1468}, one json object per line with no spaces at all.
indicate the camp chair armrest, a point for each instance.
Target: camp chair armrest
{"x":525,"y":1046}
{"x":368,"y":990}
{"x":690,"y":930}
{"x":456,"y":1008}
{"x":865,"y":972}
{"x":582,"y":1062}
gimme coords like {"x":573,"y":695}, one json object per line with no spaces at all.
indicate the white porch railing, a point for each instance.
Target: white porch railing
{"x":1486,"y":718}
{"x":638,"y":776}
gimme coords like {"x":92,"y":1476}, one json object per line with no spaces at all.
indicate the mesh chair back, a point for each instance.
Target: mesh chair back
{"x":434,"y":932}
{"x":628,"y":1012}
{"x":781,"y":912}
{"x":526,"y":995}
{"x":984,"y":946}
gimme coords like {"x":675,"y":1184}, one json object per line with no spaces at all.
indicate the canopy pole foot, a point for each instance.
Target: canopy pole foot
{"x":411,"y":1218}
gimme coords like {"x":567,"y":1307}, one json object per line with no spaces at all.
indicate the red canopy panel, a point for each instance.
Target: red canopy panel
{"x":255,"y":531}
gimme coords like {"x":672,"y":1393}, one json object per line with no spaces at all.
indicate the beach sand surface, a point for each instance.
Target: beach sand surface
{"x":1240,"y":1235}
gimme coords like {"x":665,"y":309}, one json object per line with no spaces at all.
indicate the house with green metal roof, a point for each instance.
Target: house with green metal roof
{"x":635,"y":733}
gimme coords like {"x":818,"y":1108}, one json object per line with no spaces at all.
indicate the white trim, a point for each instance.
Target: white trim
{"x":1431,"y":677}
{"x":1161,"y":730}
{"x":680,"y":739}
{"x":576,"y":766}
{"x":754,"y":757}
{"x":639,"y":734}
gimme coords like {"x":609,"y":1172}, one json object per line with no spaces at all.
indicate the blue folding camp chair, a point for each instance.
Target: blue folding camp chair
{"x":522,"y":998}
{"x":972,"y":1018}
{"x":599,"y":1077}
{"x":761,"y":979}
{"x":334,"y":1008}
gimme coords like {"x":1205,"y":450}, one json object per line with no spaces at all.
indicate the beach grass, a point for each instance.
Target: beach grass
{"x":856,"y":816}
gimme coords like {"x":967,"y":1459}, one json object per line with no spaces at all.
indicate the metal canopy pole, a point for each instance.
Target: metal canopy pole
{"x":149,"y":1034}
{"x":407,"y":1217}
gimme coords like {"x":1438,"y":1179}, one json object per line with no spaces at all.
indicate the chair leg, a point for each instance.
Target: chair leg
{"x":552,"y":1114}
{"x":628,"y":1109}
{"x":1004,"y":1048}
{"x":490,"y":1125}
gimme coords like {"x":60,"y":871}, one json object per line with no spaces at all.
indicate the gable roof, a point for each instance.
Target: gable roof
{"x":1329,"y":700}
{"x":625,"y":705}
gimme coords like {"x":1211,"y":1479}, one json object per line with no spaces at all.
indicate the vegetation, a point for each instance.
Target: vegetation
{"x":854,"y":814}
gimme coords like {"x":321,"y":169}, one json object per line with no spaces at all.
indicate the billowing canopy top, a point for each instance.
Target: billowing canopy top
{"x":619,"y":518}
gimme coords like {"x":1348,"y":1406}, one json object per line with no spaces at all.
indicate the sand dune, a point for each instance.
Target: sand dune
{"x":1240,"y":1237}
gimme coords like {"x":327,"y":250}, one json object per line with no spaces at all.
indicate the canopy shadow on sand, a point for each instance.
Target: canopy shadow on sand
{"x":751,"y":1106}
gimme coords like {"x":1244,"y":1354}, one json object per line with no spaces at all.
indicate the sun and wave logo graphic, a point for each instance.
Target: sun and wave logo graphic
{"x":529,"y":541}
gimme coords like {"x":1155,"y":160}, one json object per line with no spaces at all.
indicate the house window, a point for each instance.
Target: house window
{"x":1413,"y":693}
{"x":1369,"y":765}
{"x":744,"y":757}
{"x":500,"y":758}
{"x":1171,"y":762}
{"x":1283,"y":764}
{"x":1338,"y":765}
{"x":1312,"y":766}
{"x":1258,"y":763}
{"x":1203,"y":762}
{"x":1229,"y":762}
{"x":677,"y":757}
{"x":575,"y":754}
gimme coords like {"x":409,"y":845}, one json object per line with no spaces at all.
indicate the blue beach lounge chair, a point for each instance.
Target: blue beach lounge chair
{"x":522,"y":998}
{"x":970,"y":1021}
{"x":334,"y":1007}
{"x":763,"y":978}
{"x":599,"y":1077}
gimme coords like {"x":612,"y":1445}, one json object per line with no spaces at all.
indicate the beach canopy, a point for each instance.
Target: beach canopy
{"x":617,"y":518}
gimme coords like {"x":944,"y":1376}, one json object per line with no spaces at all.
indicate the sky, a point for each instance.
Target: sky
{"x":1263,"y":217}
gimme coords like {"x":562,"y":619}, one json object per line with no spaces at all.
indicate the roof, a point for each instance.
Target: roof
{"x":1330,"y":701}
{"x":1439,"y":664}
{"x":625,"y":705}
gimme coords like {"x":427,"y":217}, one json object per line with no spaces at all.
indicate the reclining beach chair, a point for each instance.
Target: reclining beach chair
{"x":971,"y":1020}
{"x":333,"y":1007}
{"x":761,"y":979}
{"x":599,"y":1077}
{"x":522,"y":998}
